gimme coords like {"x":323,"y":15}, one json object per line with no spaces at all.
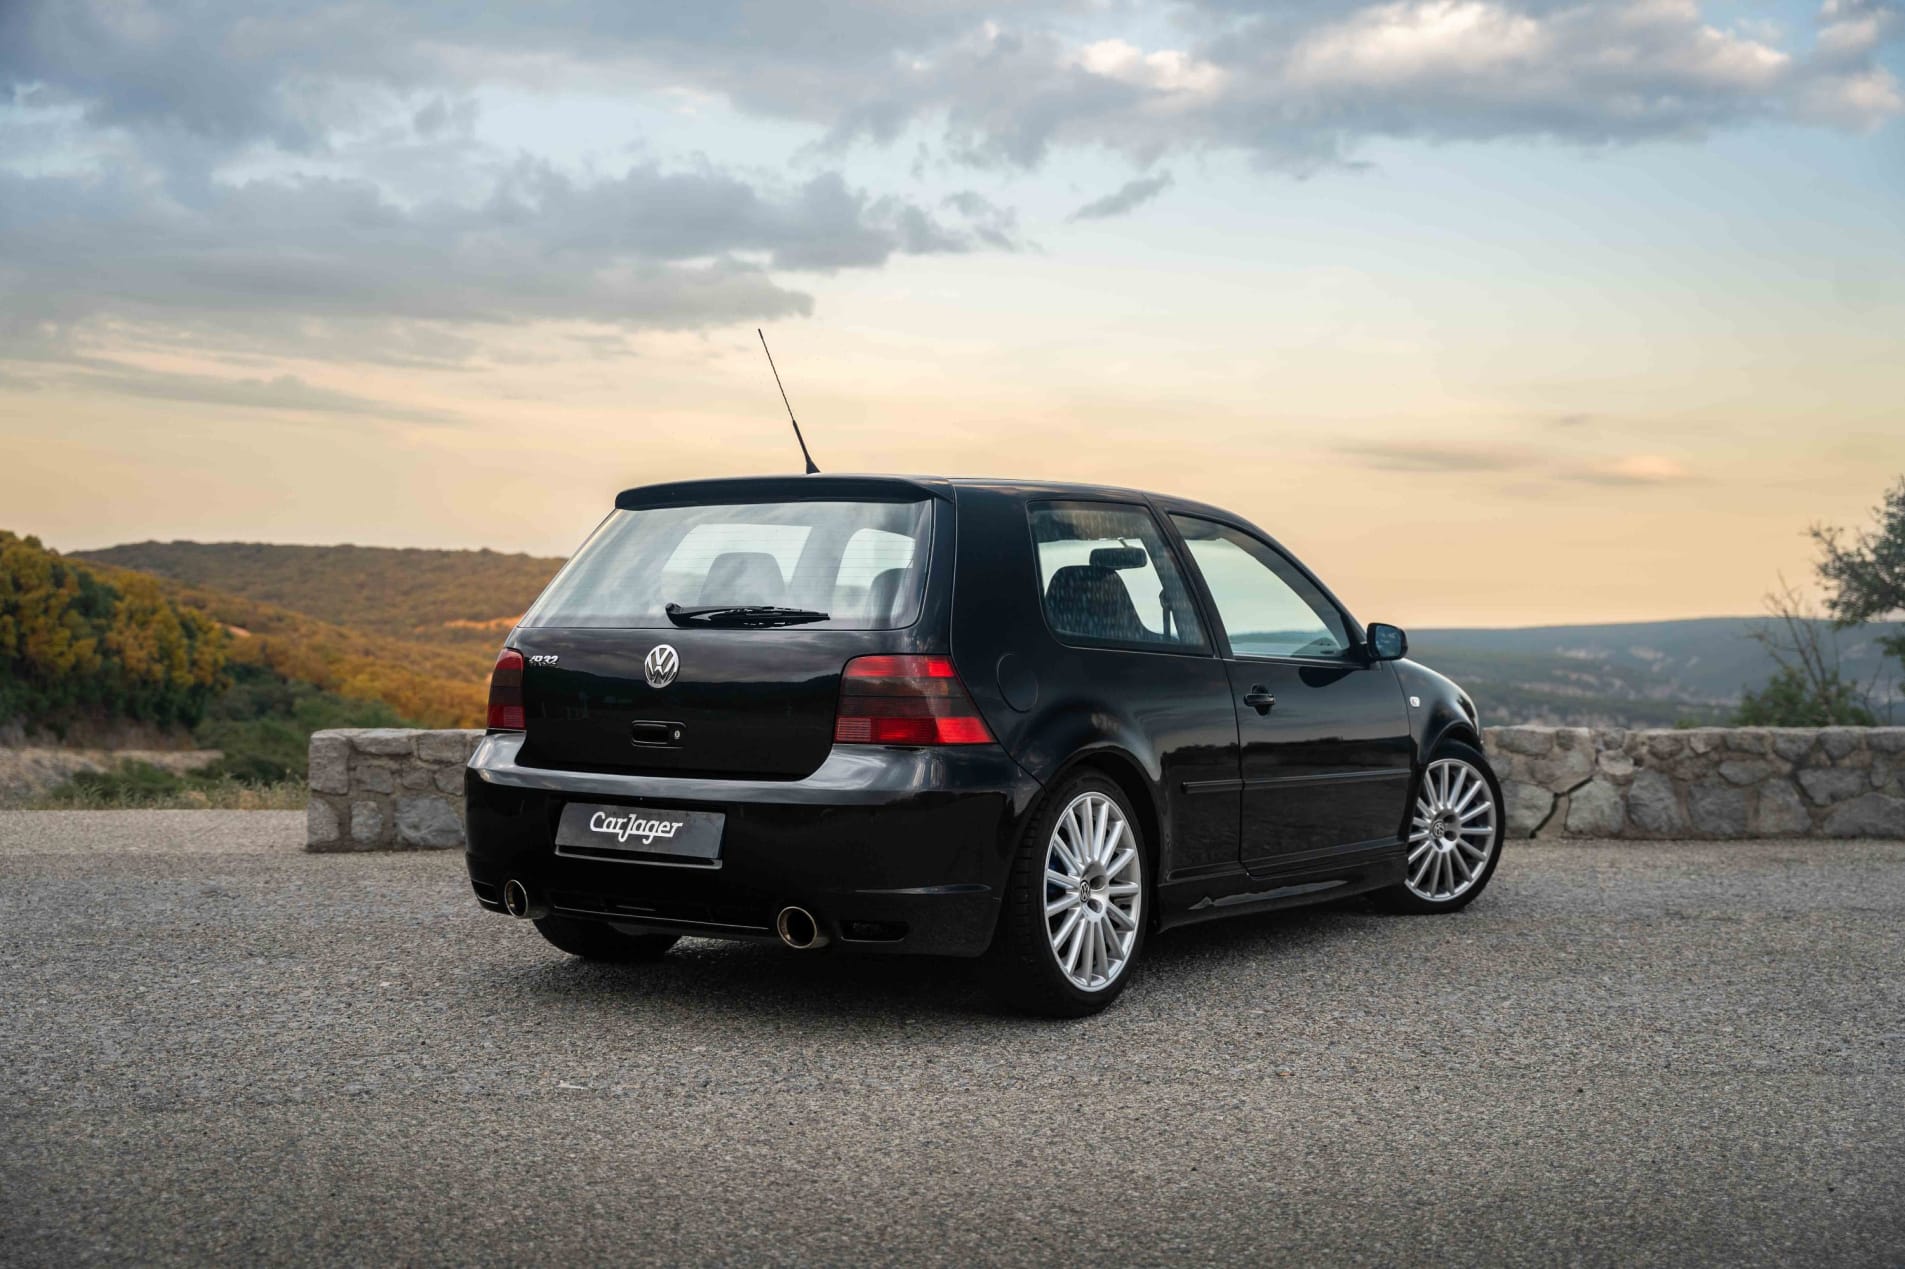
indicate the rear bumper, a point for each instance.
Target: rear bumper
{"x":899,"y":850}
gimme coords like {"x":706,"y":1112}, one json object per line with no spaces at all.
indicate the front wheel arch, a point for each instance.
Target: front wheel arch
{"x":1400,"y":897}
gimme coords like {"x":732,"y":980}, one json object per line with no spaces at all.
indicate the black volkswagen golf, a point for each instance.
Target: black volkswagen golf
{"x":1027,"y":721}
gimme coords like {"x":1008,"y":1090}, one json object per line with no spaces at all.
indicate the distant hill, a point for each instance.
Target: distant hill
{"x":1654,"y":673}
{"x":417,"y":630}
{"x":458,"y":597}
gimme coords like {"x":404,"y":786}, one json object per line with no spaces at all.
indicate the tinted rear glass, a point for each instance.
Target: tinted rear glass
{"x":862,"y":563}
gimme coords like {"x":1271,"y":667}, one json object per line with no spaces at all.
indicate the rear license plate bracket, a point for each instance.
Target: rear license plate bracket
{"x":640,"y":834}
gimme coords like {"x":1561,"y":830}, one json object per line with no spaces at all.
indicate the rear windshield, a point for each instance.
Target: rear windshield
{"x":861,"y":563}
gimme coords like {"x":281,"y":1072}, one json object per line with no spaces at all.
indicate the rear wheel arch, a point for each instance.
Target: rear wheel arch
{"x":1124,"y":771}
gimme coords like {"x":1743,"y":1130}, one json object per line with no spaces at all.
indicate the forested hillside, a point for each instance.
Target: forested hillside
{"x":86,"y":646}
{"x":77,"y":641}
{"x":469,"y":598}
{"x":436,"y":684}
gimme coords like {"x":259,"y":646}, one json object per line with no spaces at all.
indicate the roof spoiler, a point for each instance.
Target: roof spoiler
{"x":817,"y":488}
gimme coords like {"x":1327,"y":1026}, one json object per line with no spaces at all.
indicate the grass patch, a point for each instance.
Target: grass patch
{"x":141,"y":786}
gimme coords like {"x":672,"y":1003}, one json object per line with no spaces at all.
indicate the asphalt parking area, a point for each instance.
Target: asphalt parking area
{"x":214,"y":1046}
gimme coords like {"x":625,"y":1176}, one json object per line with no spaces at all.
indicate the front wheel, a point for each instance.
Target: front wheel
{"x":1073,"y":921}
{"x":1455,"y":834}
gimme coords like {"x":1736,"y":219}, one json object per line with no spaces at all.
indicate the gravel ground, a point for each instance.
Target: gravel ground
{"x":216,"y":1047}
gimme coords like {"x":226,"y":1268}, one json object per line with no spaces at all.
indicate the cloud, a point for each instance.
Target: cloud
{"x":1304,"y":86}
{"x":306,"y":263}
{"x":1435,"y":458}
{"x":1125,"y":199}
{"x":1630,"y":469}
{"x":284,"y":176}
{"x":1633,"y":469}
{"x":1293,"y":84}
{"x":280,"y":392}
{"x":992,"y":224}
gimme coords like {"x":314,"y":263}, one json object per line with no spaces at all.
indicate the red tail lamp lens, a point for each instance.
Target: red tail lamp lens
{"x":906,"y":700}
{"x":506,"y":692}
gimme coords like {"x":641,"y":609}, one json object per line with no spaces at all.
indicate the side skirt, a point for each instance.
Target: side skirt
{"x":1317,"y":878}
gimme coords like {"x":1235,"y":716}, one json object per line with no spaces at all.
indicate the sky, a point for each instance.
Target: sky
{"x":1496,"y":312}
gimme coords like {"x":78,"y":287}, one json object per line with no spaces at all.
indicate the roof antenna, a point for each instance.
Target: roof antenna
{"x":811,"y":469}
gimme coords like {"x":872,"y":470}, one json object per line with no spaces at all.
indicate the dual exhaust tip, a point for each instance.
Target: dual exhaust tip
{"x":796,"y":927}
{"x":799,"y":930}
{"x":518,"y":902}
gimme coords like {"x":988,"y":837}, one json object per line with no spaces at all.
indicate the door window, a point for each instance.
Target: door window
{"x":1107,"y":576}
{"x":1268,"y":607}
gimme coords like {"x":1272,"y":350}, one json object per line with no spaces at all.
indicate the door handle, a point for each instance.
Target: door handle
{"x":1260,"y":698}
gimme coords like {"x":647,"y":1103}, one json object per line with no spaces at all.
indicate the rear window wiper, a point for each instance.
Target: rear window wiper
{"x":741,"y":615}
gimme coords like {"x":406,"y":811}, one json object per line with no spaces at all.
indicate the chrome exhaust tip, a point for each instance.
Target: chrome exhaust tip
{"x":518,"y":903}
{"x":799,"y":930}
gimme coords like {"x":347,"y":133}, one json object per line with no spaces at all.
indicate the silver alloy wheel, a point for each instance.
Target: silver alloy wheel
{"x":1094,"y":891}
{"x":1455,"y":831}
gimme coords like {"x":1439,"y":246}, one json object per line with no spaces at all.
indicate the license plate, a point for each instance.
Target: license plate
{"x":640,"y":830}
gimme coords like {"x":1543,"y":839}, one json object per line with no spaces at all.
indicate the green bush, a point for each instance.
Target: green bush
{"x":1790,"y":699}
{"x":141,"y":786}
{"x":264,"y":723}
{"x":129,"y":784}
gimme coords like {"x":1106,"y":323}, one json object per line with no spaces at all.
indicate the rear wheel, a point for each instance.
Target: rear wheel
{"x":1073,"y":921}
{"x":594,"y":941}
{"x":1455,"y":834}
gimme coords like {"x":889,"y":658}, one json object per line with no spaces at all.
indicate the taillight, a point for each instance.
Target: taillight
{"x":895,"y":700}
{"x":506,"y":692}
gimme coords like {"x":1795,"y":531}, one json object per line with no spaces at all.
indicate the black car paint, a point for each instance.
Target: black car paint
{"x":907,"y":849}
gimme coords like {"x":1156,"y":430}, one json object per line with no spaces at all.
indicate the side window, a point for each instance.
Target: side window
{"x":1107,"y":576}
{"x":1268,"y":608}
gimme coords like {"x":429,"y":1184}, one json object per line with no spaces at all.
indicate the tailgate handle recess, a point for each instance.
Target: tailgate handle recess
{"x":656,"y":735}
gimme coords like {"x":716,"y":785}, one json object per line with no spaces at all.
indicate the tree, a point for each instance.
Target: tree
{"x":1789,"y":699}
{"x":1808,"y":690}
{"x":1866,"y":575}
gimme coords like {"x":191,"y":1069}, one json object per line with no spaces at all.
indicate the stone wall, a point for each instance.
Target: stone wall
{"x":1705,"y":782}
{"x":387,"y":788}
{"x":390,"y":789}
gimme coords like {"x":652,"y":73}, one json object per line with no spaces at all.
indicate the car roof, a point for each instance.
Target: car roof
{"x":829,"y":484}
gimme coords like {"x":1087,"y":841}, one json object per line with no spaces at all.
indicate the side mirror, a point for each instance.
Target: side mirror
{"x":1386,"y":642}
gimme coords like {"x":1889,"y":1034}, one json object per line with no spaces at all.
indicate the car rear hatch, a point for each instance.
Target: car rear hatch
{"x":702,"y":629}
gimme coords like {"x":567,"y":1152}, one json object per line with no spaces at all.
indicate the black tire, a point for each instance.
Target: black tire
{"x":594,"y":941}
{"x":1022,"y":963}
{"x":1401,"y":897}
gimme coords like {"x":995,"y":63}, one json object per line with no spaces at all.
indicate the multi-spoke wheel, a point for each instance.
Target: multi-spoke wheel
{"x":1455,"y":829}
{"x":1073,"y":920}
{"x":1094,"y":891}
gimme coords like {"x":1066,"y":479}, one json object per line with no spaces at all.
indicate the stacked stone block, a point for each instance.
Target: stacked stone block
{"x":1704,"y":782}
{"x":392,"y":789}
{"x":387,"y":788}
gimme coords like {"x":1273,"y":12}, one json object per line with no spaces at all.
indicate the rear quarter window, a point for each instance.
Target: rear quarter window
{"x":1107,"y":576}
